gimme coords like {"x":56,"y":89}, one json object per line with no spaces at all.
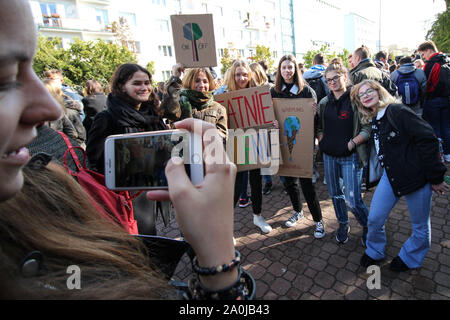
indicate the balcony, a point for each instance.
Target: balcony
{"x":54,"y":22}
{"x":104,"y":2}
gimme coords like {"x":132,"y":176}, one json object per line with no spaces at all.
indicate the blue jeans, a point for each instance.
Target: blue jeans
{"x":437,"y":112}
{"x":267,"y":178}
{"x":348,"y":169}
{"x":414,"y":250}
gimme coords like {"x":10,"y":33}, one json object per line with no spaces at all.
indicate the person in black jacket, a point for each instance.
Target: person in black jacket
{"x":132,"y":106}
{"x":436,"y":107}
{"x":290,"y":84}
{"x":94,"y":102}
{"x":408,"y":152}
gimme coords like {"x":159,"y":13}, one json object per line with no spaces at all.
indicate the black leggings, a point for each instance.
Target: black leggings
{"x":308,"y":192}
{"x":255,"y":186}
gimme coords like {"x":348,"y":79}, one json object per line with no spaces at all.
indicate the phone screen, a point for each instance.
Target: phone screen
{"x":141,"y":161}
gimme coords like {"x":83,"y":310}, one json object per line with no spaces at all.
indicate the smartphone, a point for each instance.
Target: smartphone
{"x":137,"y":161}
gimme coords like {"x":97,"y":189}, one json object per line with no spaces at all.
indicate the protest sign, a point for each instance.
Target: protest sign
{"x":193,"y":38}
{"x":296,"y":121}
{"x":250,"y":120}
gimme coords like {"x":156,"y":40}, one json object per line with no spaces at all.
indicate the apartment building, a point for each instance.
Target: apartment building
{"x":285,"y":26}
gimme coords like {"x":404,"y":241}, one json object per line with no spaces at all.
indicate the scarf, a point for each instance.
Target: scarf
{"x":130,"y":119}
{"x":192,"y":99}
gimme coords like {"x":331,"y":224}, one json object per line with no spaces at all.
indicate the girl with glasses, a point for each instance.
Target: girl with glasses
{"x":408,"y":152}
{"x":342,"y":140}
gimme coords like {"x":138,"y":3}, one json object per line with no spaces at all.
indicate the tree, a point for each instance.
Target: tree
{"x":84,"y":60}
{"x":263,"y":54}
{"x":440,"y":31}
{"x":325,"y":50}
{"x":226,"y":61}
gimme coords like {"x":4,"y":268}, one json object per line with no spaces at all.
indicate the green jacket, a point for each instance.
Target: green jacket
{"x":358,"y":128}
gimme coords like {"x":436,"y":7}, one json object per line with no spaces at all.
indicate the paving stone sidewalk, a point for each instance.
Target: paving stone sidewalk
{"x":290,"y":264}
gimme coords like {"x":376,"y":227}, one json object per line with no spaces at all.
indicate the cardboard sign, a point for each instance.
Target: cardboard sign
{"x":193,"y":38}
{"x":248,"y":107}
{"x":296,"y":121}
{"x":250,"y":118}
{"x":253,"y":148}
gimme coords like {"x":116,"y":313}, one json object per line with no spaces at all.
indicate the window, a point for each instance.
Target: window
{"x":134,"y":46}
{"x":205,"y":7}
{"x":165,"y":51}
{"x":129,"y":17}
{"x":159,"y":2}
{"x":166,"y":75}
{"x":49,"y":15}
{"x":102,"y":17}
{"x":163,"y":25}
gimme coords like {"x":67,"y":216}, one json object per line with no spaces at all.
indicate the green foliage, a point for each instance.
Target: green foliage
{"x":84,"y":60}
{"x":226,"y":61}
{"x":325,"y":50}
{"x":440,"y":31}
{"x":263,"y":54}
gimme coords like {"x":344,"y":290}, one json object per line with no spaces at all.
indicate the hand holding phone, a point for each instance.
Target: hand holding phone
{"x":137,"y":161}
{"x":205,"y":212}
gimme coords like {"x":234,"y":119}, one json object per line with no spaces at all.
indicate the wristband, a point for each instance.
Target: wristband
{"x":242,"y":289}
{"x":214,"y":270}
{"x":353,"y":143}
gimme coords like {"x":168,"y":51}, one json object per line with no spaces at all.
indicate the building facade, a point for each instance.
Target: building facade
{"x":285,"y":26}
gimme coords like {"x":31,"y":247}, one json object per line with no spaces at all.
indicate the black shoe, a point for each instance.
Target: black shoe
{"x":342,"y":233}
{"x":398,"y":265}
{"x":364,"y":237}
{"x":367,"y":261}
{"x":267,"y":188}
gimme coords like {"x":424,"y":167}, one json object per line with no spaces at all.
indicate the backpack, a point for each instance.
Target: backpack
{"x":318,"y":86}
{"x":115,"y":206}
{"x":444,"y":78}
{"x":408,"y":88}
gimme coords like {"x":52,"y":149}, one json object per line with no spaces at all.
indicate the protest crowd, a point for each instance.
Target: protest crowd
{"x":380,"y":124}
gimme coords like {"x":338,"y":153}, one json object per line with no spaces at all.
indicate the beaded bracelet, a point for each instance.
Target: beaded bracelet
{"x":242,"y":289}
{"x":214,"y":270}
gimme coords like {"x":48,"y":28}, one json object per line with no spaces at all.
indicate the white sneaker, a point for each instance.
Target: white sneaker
{"x":234,"y":241}
{"x":292,"y":221}
{"x":320,"y":230}
{"x":259,"y":221}
{"x":447,"y":157}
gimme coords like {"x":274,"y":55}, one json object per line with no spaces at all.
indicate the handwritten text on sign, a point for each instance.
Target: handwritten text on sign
{"x":248,"y":107}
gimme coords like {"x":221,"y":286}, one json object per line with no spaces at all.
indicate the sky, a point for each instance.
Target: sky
{"x":402,"y":21}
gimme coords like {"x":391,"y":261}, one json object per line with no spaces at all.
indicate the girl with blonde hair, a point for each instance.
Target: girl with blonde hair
{"x":408,"y":153}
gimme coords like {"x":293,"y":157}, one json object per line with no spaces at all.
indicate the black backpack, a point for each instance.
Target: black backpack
{"x":444,"y":78}
{"x":318,"y":86}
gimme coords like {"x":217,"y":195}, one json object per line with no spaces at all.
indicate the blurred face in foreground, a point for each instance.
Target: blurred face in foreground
{"x":24,"y":101}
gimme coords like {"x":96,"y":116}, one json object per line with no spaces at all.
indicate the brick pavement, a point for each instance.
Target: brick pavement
{"x":290,"y":264}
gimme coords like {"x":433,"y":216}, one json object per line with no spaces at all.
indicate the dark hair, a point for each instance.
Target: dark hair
{"x":298,"y":79}
{"x":381,"y":54}
{"x":405,"y":59}
{"x":319,"y":59}
{"x":392,"y":68}
{"x":264,"y":65}
{"x":363,"y":52}
{"x":92,"y":86}
{"x":427,"y":45}
{"x":124,"y":73}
